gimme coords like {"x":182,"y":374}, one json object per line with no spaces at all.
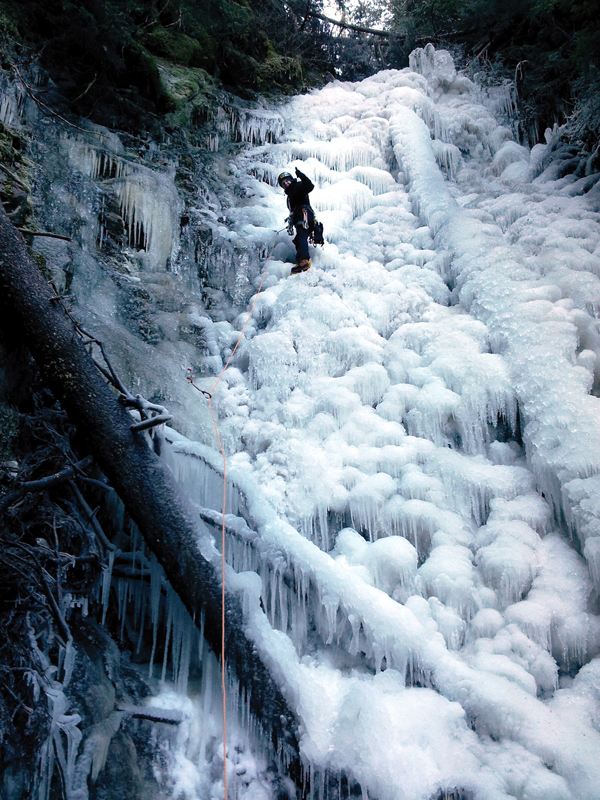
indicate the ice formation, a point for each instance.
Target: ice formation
{"x":413,"y":439}
{"x":147,"y":197}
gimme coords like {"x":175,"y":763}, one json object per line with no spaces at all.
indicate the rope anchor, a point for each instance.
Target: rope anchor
{"x":190,"y":379}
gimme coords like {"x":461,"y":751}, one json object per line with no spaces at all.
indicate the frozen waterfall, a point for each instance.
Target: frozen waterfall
{"x":412,"y":431}
{"x":413,"y":437}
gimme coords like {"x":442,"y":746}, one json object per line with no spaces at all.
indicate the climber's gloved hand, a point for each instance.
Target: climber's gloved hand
{"x":299,"y":174}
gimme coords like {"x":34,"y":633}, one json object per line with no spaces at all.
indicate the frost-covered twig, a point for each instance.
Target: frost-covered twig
{"x":152,"y":422}
{"x":32,"y":561}
{"x":167,"y":716}
{"x":7,"y":688}
{"x":234,"y":525}
{"x":161,"y":415}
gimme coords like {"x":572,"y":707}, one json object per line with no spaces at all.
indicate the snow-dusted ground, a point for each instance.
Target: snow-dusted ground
{"x":414,"y":430}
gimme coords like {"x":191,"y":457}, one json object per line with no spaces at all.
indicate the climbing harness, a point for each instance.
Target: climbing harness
{"x":209,"y":396}
{"x":315,"y":236}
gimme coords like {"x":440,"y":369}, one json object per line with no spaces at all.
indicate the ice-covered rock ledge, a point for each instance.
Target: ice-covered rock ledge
{"x":547,"y":341}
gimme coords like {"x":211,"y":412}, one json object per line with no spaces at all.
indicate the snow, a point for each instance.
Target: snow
{"x":418,"y":558}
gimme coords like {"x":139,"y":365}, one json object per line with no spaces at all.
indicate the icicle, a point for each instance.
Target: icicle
{"x":447,"y":156}
{"x":283,"y":603}
{"x":345,"y":193}
{"x":46,"y":769}
{"x":8,"y":110}
{"x":122,"y":596}
{"x":188,"y":637}
{"x":169,"y":625}
{"x":12,"y":105}
{"x":141,"y":622}
{"x":149,"y":205}
{"x":341,"y":154}
{"x":138,"y":591}
{"x":68,"y":663}
{"x":330,"y":606}
{"x":257,"y":127}
{"x":156,"y":579}
{"x":67,"y":725}
{"x":271,"y":595}
{"x":179,"y":633}
{"x":207,"y":697}
{"x":106,"y":583}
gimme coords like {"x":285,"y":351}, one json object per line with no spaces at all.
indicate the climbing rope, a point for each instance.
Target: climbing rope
{"x":209,"y":395}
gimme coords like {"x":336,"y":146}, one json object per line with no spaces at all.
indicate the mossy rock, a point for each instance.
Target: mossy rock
{"x":185,"y":89}
{"x":239,"y":68}
{"x":272,"y":71}
{"x":180,"y":48}
{"x":279,"y":70}
{"x":41,"y":263}
{"x":8,"y":32}
{"x":183,"y":84}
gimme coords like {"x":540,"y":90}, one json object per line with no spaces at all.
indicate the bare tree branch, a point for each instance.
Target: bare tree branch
{"x":152,"y":422}
{"x":15,"y":178}
{"x":348,"y":25}
{"x":44,"y":483}
{"x":47,"y":234}
{"x":29,"y":91}
{"x":91,"y":518}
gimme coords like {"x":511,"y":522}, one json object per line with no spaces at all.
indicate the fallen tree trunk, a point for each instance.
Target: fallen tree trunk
{"x":145,"y":484}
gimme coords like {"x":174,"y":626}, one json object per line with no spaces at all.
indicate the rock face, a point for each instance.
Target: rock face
{"x":137,"y":246}
{"x":103,"y":680}
{"x":145,"y":264}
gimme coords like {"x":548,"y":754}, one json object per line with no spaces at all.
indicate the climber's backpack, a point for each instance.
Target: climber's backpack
{"x":316,"y":235}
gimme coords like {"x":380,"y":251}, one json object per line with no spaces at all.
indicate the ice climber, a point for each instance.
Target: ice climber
{"x":302,"y":217}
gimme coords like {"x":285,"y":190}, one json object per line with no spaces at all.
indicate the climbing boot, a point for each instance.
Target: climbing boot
{"x":301,"y":266}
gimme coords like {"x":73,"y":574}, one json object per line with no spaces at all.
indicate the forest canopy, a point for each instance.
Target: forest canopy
{"x":104,"y":55}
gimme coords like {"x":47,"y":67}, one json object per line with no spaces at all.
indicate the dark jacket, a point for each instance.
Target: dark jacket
{"x":297,"y":196}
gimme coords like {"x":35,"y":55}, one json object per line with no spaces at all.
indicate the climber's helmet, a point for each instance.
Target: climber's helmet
{"x":284,"y":179}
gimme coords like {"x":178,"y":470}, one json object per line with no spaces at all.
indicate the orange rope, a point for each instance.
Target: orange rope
{"x":223,"y":670}
{"x":209,"y":395}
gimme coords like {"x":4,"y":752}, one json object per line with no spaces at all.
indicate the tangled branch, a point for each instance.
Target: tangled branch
{"x":151,"y":414}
